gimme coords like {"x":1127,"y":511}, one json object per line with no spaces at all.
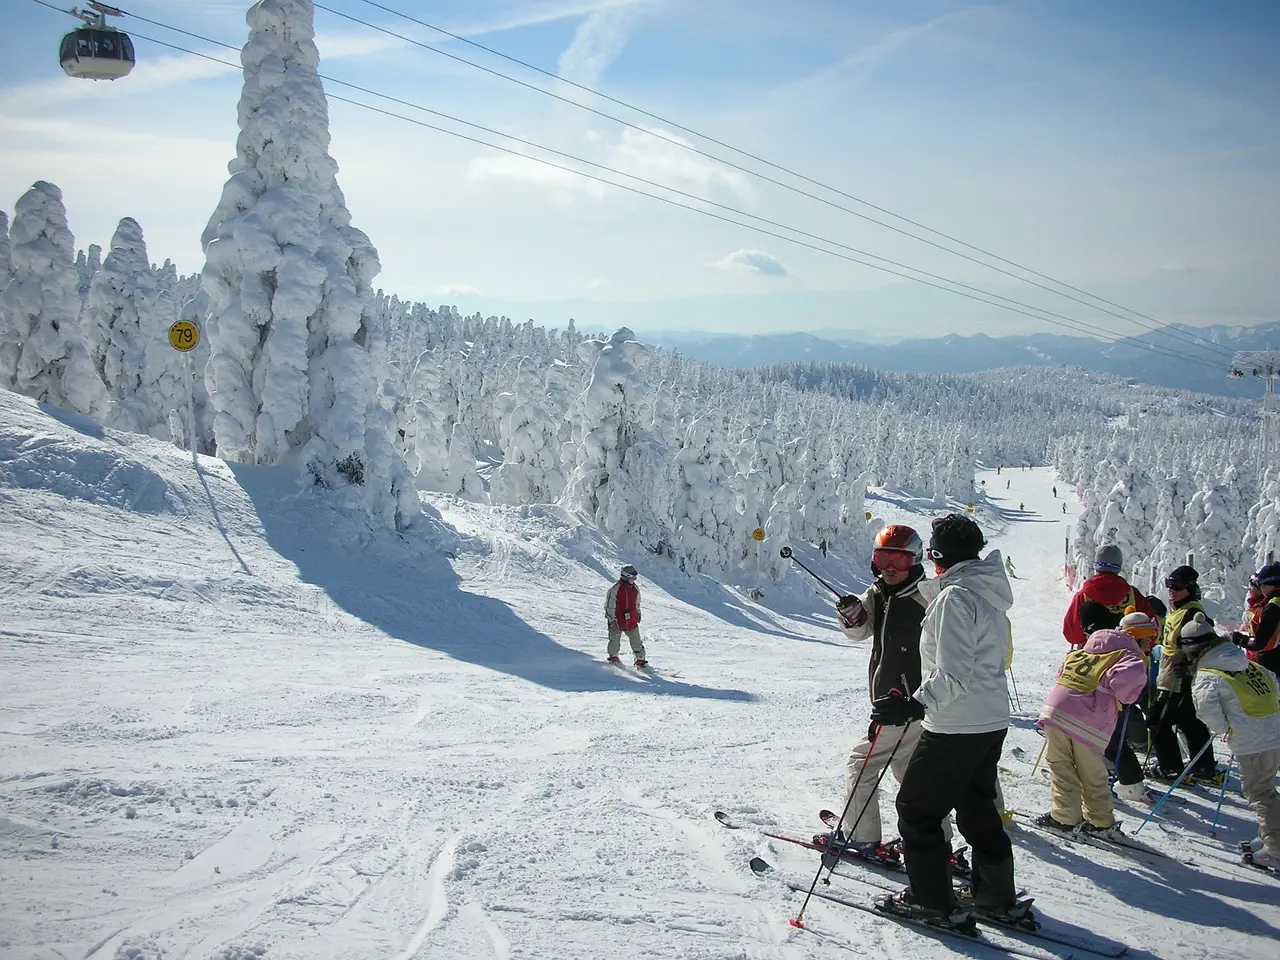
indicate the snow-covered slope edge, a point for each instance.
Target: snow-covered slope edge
{"x":239,"y":721}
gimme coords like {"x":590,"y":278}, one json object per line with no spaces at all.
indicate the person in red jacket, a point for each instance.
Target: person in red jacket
{"x":622,"y":615}
{"x":1106,"y":587}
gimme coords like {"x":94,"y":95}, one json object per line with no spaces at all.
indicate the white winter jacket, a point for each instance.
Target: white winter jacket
{"x":1220,"y":709}
{"x":963,"y":644}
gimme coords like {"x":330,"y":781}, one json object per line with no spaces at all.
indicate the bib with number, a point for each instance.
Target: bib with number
{"x":1255,"y":688}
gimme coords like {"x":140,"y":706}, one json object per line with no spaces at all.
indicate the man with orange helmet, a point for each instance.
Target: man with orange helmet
{"x":889,"y":612}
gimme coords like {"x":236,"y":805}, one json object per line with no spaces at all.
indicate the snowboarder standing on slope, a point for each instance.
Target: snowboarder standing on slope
{"x":622,"y":614}
{"x":1079,"y":720}
{"x":1175,"y":709}
{"x":963,"y":701}
{"x":1106,"y":587}
{"x":890,"y":612}
{"x":1241,"y":699}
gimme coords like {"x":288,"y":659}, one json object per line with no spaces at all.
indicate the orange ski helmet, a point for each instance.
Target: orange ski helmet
{"x":898,"y":536}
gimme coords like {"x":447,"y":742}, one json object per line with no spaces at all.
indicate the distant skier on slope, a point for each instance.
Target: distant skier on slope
{"x":622,"y":615}
{"x":1008,"y":565}
{"x":963,"y":702}
{"x":1106,"y":587}
{"x":1241,"y":699}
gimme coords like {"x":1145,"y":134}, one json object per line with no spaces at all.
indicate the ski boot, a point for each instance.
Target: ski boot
{"x":615,"y":660}
{"x":1018,"y":916}
{"x":641,"y":664}
{"x":957,"y":918}
{"x":1111,"y":834}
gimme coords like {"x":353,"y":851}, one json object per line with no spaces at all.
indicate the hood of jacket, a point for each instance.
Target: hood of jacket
{"x":1224,"y":656}
{"x":1105,"y":641}
{"x":985,"y":577}
{"x":1107,"y":589}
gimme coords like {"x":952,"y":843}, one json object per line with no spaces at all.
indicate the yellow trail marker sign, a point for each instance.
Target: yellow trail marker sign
{"x":867,"y":514}
{"x":758,"y":534}
{"x":184,"y":336}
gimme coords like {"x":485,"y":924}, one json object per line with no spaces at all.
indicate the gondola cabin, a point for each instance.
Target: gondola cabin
{"x":96,"y":51}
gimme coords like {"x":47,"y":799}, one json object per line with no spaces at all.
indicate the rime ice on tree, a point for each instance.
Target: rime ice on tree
{"x":288,"y":277}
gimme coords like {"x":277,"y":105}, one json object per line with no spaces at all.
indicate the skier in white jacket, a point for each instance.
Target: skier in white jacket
{"x":1241,"y":699}
{"x":963,"y":702}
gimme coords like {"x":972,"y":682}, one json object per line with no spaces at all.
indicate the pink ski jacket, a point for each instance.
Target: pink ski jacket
{"x":1083,"y":703}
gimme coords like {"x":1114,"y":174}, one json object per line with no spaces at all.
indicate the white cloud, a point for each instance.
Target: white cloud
{"x":338,"y":46}
{"x":667,"y":163}
{"x":546,"y":12}
{"x":753,"y":261}
{"x":459,"y":290}
{"x":157,"y":73}
{"x":597,"y":42}
{"x":524,"y":170}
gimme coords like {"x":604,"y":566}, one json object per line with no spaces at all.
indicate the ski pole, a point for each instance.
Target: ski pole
{"x":1213,"y":830}
{"x":1044,"y":743}
{"x":798,"y":921}
{"x":786,"y":554}
{"x":1115,"y":767}
{"x":1182,"y":776}
{"x":1017,"y":696}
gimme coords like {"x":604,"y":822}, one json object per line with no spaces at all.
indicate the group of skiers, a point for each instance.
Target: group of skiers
{"x":940,"y":649}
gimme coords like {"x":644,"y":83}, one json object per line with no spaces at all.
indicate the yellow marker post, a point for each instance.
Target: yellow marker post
{"x":184,"y":336}
{"x":867,"y":516}
{"x":758,"y":534}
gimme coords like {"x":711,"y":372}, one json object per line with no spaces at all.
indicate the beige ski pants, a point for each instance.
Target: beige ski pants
{"x":1080,"y":787}
{"x":633,"y":635}
{"x":1258,"y":777}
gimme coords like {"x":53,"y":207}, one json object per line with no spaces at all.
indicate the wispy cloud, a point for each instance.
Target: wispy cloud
{"x":860,"y":64}
{"x":150,"y":74}
{"x":533,"y":14}
{"x":663,"y":161}
{"x":752,"y":261}
{"x":597,"y":42}
{"x":522,"y":170}
{"x":339,"y":46}
{"x":459,"y":290}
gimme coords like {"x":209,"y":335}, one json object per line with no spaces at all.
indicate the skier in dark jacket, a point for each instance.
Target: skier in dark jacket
{"x":889,"y":612}
{"x":1262,"y":640}
{"x":1174,"y":710}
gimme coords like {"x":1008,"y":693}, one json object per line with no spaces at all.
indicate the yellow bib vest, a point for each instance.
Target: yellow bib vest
{"x":1255,"y":688}
{"x":1081,"y":671}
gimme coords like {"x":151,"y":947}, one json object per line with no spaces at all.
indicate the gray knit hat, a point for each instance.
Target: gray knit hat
{"x":1108,"y":559}
{"x":1197,"y":634}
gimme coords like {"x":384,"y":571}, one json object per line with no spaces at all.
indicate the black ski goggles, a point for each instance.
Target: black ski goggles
{"x":1172,"y":584}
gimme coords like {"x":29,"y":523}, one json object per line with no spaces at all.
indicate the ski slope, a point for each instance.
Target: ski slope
{"x":238,"y":722}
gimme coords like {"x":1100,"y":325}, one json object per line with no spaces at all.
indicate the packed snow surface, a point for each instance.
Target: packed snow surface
{"x":238,"y":721}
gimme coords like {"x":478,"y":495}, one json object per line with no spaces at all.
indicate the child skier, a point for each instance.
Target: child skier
{"x":1130,"y":785}
{"x":1079,"y":718}
{"x":1241,"y":699}
{"x":622,"y":614}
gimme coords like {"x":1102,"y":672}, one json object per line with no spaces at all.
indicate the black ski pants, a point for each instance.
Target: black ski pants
{"x":1174,"y":712}
{"x":1120,"y":752}
{"x":954,"y":771}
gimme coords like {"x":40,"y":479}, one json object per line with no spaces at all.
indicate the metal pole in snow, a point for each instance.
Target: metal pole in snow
{"x":191,"y":410}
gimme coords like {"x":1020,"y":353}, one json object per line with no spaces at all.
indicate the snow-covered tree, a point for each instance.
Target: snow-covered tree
{"x":287,"y":275}
{"x":42,"y":353}
{"x":6,"y":265}
{"x":119,"y":320}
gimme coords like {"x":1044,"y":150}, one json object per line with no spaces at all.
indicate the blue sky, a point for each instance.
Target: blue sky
{"x":1130,"y":149}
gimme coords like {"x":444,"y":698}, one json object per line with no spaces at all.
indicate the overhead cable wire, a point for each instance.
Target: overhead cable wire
{"x":1150,"y":324}
{"x":978,"y":294}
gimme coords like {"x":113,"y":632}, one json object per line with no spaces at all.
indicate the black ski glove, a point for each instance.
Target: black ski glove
{"x":1240,"y":639}
{"x":896,"y":710}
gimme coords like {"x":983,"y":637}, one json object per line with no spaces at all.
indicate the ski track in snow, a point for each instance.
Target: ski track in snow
{"x":240,"y":724}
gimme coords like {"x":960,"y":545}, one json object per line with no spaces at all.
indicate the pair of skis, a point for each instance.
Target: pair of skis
{"x":1116,"y":845}
{"x":1049,"y":935}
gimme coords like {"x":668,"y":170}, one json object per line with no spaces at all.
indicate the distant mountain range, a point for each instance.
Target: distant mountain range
{"x":1200,"y":367}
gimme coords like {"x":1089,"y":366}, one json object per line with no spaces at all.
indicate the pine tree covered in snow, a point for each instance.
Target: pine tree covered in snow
{"x":42,"y":353}
{"x":6,"y":258}
{"x":118,"y":321}
{"x":288,"y":277}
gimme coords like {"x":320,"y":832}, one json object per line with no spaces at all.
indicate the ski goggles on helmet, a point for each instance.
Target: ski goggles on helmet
{"x":1172,"y":583}
{"x":897,"y":560}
